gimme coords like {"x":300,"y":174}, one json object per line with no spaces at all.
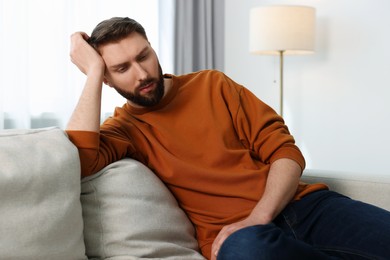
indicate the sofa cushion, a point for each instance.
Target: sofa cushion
{"x":130,"y":214}
{"x":40,"y":207}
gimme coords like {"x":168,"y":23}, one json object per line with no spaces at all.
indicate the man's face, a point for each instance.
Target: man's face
{"x":132,"y":68}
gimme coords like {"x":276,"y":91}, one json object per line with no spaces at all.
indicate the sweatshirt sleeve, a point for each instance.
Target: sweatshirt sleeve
{"x":97,"y":150}
{"x":261,"y":129}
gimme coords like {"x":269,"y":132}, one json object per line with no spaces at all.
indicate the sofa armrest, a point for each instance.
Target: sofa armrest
{"x":373,"y":191}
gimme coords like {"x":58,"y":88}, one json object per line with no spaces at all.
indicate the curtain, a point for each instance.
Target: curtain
{"x":199,"y":35}
{"x":39,"y":85}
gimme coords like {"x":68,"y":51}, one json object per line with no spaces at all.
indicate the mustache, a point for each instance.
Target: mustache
{"x":146,"y":82}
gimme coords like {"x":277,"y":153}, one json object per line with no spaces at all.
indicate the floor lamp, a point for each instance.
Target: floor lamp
{"x":282,"y":30}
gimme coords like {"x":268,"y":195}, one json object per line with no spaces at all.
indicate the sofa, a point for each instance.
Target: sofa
{"x":122,"y":212}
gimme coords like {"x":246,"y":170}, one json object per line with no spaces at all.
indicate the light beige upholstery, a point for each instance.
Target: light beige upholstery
{"x":374,"y":190}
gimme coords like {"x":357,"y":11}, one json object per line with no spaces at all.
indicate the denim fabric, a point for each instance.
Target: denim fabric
{"x":322,"y":225}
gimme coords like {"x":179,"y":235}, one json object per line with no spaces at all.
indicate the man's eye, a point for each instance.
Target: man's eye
{"x":121,"y":69}
{"x":142,"y":57}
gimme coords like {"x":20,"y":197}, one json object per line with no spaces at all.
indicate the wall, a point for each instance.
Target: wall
{"x":336,"y":100}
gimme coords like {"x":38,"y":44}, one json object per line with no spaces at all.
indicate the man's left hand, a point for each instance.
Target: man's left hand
{"x":227,"y":231}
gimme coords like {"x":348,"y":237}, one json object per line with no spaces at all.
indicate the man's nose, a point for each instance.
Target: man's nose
{"x":141,"y":72}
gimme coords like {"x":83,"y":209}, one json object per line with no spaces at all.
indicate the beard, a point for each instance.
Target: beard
{"x":152,"y":98}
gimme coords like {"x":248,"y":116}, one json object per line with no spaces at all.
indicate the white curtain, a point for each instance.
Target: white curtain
{"x":39,"y":85}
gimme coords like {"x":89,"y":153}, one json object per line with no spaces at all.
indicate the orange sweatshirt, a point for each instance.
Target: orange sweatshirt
{"x":210,"y":140}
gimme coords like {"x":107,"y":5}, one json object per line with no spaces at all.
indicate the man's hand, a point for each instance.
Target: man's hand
{"x":84,"y":56}
{"x":230,"y":229}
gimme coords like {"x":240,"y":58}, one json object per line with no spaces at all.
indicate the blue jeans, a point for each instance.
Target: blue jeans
{"x":322,"y":225}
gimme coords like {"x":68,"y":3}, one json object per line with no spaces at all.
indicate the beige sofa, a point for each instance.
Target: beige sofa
{"x":373,"y":189}
{"x":122,"y":212}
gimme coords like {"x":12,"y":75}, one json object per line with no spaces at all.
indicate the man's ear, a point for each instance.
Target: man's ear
{"x":105,"y":81}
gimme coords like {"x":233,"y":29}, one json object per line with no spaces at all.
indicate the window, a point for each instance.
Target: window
{"x":40,"y":86}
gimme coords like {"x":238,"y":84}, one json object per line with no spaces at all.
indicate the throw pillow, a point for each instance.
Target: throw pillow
{"x":40,"y":207}
{"x":130,"y":214}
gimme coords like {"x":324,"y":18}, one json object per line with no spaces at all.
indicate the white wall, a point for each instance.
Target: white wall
{"x":337,"y":101}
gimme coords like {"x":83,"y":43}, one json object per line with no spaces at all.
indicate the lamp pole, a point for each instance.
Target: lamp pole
{"x":281,"y":81}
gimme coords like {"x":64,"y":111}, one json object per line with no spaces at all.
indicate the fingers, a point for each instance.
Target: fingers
{"x":77,"y":40}
{"x":84,"y":56}
{"x":222,"y":235}
{"x":82,"y":35}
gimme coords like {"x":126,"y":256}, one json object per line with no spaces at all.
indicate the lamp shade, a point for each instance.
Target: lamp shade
{"x":290,"y":29}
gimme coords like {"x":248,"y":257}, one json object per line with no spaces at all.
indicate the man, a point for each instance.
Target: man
{"x":226,"y":156}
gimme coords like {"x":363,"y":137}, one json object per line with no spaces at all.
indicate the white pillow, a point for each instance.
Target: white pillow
{"x":130,"y":214}
{"x":40,"y":209}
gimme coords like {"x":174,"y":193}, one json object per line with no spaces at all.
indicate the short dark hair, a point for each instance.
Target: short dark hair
{"x":115,"y":29}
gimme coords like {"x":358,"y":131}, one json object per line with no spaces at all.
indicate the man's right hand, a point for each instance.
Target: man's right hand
{"x":83,"y":55}
{"x":86,"y":115}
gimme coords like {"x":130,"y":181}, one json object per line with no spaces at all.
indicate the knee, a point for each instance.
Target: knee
{"x":255,"y":242}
